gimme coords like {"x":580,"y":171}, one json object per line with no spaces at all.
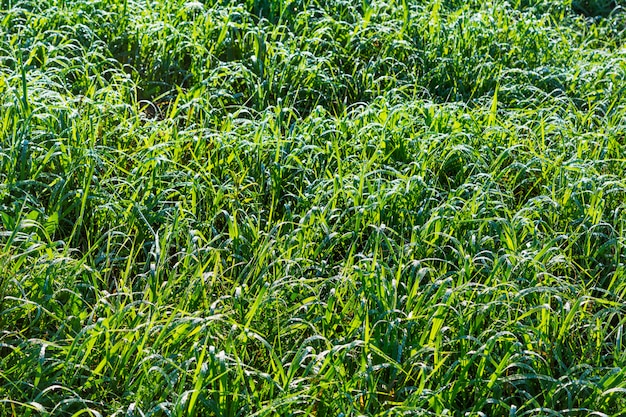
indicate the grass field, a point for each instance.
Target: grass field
{"x":312,"y":207}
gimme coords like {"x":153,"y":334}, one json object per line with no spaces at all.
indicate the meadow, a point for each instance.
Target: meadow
{"x":312,"y":208}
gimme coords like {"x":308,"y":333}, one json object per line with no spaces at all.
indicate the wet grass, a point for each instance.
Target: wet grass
{"x":312,"y":208}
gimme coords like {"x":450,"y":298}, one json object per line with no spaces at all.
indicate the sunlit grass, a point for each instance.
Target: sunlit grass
{"x":312,"y":208}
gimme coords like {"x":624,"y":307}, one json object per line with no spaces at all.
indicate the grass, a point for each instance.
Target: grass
{"x":315,"y":208}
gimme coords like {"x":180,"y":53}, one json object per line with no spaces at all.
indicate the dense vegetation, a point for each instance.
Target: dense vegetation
{"x":312,"y":207}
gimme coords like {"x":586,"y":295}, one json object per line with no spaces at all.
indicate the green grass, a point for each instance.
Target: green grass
{"x":312,"y":207}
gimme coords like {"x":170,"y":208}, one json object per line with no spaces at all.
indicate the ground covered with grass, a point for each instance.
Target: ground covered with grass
{"x":312,"y":207}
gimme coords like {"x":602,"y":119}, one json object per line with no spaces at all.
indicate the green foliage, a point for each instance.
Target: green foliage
{"x":312,"y":208}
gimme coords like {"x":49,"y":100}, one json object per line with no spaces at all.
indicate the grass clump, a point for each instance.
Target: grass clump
{"x":311,"y":208}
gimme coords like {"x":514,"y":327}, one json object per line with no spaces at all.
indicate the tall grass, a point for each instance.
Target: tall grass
{"x":312,"y":208}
